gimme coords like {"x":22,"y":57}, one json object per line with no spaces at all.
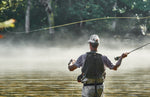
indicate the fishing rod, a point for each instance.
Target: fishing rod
{"x":70,"y":62}
{"x":117,"y":58}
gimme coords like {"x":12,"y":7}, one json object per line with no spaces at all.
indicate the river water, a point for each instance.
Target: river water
{"x":43,"y":73}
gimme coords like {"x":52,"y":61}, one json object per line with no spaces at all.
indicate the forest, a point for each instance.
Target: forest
{"x":48,"y":20}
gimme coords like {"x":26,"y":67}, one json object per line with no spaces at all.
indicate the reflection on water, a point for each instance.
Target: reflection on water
{"x":128,"y":84}
{"x":45,"y":84}
{"x":60,"y":84}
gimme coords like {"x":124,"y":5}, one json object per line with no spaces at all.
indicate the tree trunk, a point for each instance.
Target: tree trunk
{"x":118,"y":22}
{"x":50,"y":16}
{"x":27,"y":17}
{"x":115,"y":20}
{"x":51,"y":22}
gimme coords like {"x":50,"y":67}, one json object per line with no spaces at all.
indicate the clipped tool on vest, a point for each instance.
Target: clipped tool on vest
{"x":117,"y":58}
{"x":80,"y":77}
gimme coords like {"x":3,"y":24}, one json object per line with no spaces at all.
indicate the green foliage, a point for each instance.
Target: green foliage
{"x":12,"y":9}
{"x":134,"y":6}
{"x":69,"y":11}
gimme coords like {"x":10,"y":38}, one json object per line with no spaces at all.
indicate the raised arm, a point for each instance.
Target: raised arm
{"x":108,"y":63}
{"x":77,"y":64}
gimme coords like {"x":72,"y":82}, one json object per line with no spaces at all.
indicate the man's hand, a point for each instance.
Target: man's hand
{"x":115,"y":67}
{"x":71,"y":62}
{"x":71,"y":65}
{"x":124,"y":55}
{"x":121,"y":57}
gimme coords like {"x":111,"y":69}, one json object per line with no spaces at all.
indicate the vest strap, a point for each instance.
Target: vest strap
{"x":92,"y":84}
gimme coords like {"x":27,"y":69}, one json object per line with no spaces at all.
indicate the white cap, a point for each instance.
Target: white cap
{"x":93,"y":39}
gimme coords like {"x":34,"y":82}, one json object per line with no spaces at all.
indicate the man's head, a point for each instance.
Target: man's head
{"x":93,"y":41}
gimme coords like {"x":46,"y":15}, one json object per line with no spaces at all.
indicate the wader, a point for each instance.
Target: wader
{"x":93,"y":74}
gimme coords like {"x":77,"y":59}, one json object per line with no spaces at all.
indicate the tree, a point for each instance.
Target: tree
{"x":48,"y":13}
{"x":27,"y":17}
{"x":50,"y":16}
{"x":12,"y":9}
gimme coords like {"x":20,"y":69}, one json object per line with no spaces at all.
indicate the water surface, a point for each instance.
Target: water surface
{"x":34,"y":72}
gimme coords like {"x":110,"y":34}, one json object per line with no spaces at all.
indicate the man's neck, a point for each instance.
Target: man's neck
{"x":93,"y":50}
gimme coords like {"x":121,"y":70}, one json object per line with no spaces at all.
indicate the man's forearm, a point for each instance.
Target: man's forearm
{"x":72,"y":67}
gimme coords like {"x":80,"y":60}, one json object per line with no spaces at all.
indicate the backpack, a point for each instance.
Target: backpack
{"x":93,"y":67}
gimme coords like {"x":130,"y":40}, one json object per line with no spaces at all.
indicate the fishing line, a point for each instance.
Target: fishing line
{"x":89,"y":20}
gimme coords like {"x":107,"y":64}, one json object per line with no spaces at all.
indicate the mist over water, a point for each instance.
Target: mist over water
{"x":56,"y":58}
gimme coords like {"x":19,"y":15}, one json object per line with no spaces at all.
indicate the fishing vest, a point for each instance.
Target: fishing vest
{"x":93,"y":67}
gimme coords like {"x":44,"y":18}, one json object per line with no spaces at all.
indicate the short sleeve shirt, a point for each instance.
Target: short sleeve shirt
{"x":107,"y":63}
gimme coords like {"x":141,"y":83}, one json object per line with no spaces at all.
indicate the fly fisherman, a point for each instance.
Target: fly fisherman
{"x":93,"y":69}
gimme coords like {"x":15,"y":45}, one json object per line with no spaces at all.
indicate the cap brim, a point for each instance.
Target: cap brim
{"x":90,"y":41}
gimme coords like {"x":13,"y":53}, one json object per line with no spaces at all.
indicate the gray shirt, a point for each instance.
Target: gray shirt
{"x":107,"y":63}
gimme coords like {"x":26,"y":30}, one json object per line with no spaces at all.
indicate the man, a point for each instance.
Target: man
{"x":93,"y":69}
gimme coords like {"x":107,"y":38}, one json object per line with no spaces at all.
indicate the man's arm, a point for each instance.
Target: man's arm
{"x":108,"y":63}
{"x":72,"y":67}
{"x":74,"y":64}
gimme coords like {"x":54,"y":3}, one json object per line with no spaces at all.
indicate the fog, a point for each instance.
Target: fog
{"x":56,"y":58}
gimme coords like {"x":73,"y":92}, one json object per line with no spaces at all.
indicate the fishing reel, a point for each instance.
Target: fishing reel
{"x":117,"y":58}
